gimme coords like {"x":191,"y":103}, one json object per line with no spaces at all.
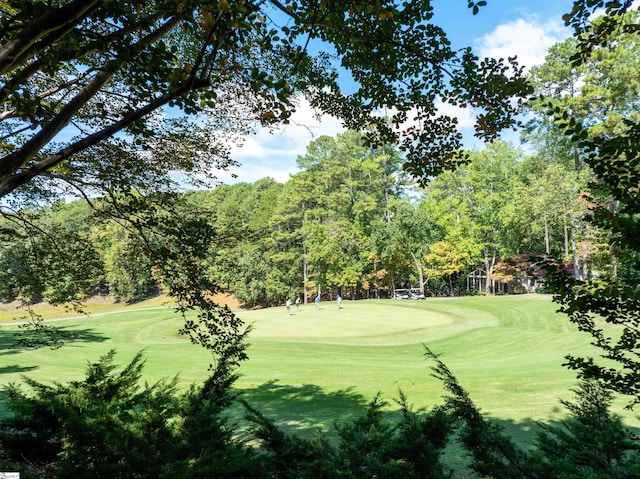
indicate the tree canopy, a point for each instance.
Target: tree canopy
{"x":348,"y":222}
{"x":76,"y":74}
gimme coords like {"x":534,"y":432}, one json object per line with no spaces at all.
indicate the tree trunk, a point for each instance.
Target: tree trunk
{"x":393,"y":283}
{"x":420,"y":270}
{"x":546,"y":235}
{"x":305,"y":274}
{"x":577,"y":273}
{"x":566,"y":240}
{"x":489,"y":263}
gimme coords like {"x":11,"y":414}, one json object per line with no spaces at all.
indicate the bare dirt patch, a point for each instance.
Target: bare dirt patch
{"x":97,"y":304}
{"x":228,"y":300}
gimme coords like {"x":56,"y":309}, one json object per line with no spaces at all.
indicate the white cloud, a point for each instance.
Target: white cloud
{"x":526,"y":38}
{"x":253,"y":171}
{"x":250,"y":148}
{"x":464,"y":115}
{"x":273,"y":152}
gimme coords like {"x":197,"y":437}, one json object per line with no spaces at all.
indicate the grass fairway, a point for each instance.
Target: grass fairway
{"x":316,"y":367}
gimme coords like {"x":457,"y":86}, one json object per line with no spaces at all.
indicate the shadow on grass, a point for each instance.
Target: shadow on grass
{"x":9,"y":338}
{"x":525,"y":432}
{"x":10,"y":346}
{"x":306,"y":409}
{"x":16,"y":368}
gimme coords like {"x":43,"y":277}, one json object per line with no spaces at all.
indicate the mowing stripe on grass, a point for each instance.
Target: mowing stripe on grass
{"x":317,"y":366}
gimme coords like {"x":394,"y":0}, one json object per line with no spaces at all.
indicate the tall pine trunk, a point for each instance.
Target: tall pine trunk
{"x":546,"y":235}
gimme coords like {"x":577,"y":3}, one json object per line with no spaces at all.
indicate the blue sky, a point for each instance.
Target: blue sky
{"x":526,"y":28}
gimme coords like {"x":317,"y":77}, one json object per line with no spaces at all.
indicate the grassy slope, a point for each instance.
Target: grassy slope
{"x":315,"y":367}
{"x":10,"y":313}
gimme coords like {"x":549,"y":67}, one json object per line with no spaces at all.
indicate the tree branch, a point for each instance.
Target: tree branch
{"x":11,"y":163}
{"x":55,"y":23}
{"x":13,"y":181}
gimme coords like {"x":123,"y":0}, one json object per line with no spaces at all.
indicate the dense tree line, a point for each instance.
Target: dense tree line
{"x":348,"y":222}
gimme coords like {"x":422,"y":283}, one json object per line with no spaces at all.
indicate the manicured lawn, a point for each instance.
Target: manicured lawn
{"x":313,"y":368}
{"x":10,"y":313}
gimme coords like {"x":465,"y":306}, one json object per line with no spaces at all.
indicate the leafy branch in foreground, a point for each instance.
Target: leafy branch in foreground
{"x":494,"y":455}
{"x":588,"y":92}
{"x":76,"y":74}
{"x":111,"y":425}
{"x":613,"y":297}
{"x":591,"y":443}
{"x":35,"y":333}
{"x":370,"y":446}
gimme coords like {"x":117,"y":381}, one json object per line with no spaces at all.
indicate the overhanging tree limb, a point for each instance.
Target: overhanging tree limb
{"x":11,"y":163}
{"x":42,"y":32}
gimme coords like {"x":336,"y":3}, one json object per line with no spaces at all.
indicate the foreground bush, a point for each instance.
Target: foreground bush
{"x":109,"y":425}
{"x":591,"y":444}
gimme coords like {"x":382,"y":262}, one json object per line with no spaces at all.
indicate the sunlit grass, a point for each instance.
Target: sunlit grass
{"x":316,"y":367}
{"x":16,"y":312}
